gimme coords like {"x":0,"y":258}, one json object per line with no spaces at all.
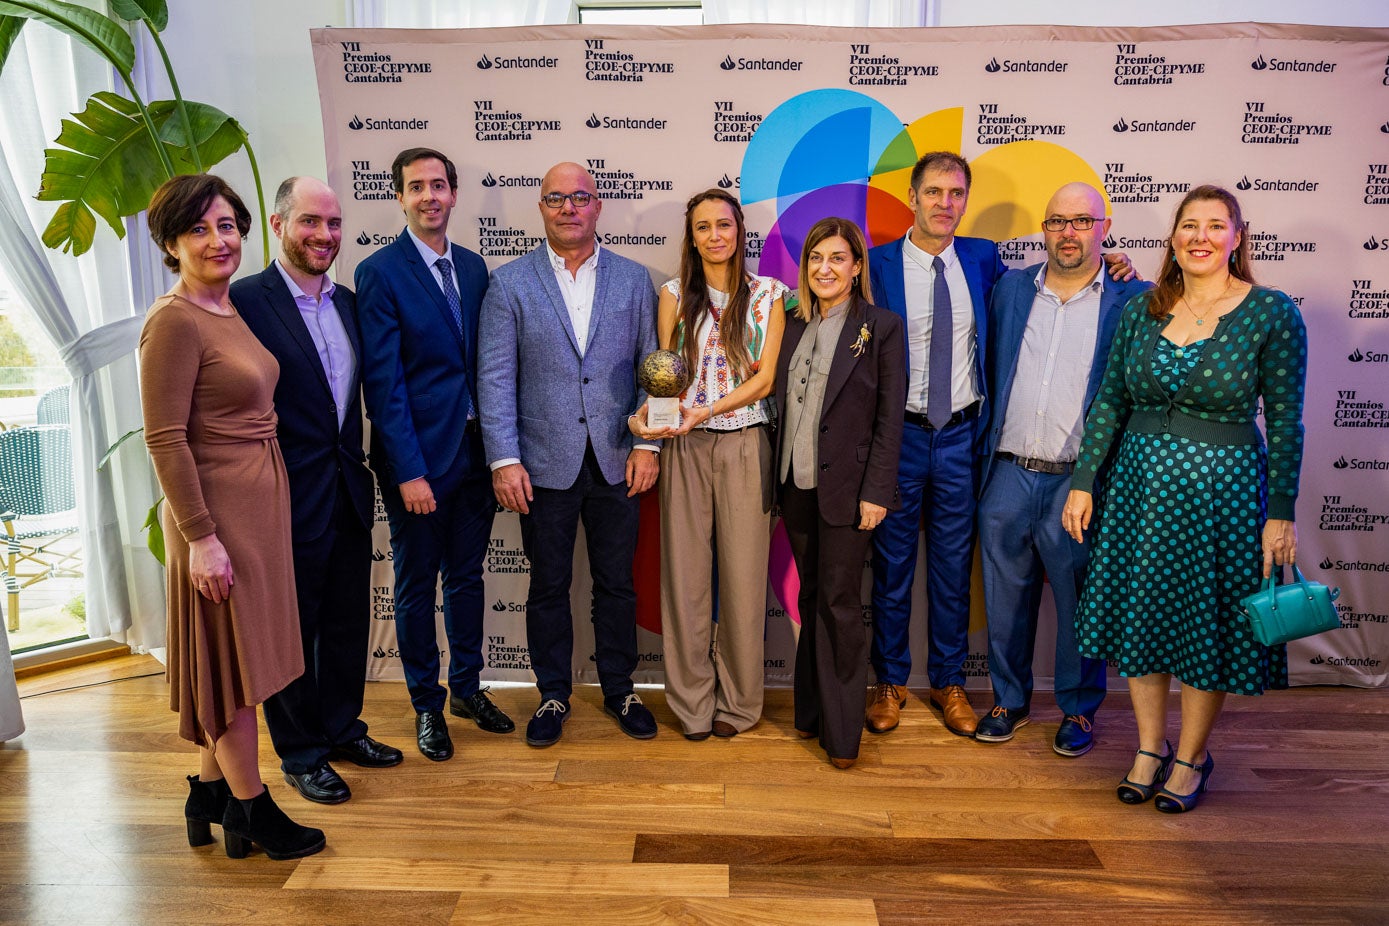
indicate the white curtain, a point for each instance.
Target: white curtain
{"x":84,"y":306}
{"x":458,"y":14}
{"x":11,"y":716}
{"x":888,"y":13}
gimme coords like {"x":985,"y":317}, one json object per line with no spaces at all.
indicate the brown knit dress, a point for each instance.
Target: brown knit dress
{"x":207,"y":388}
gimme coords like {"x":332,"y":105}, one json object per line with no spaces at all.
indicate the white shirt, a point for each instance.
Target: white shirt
{"x":577,"y":290}
{"x":431,"y":259}
{"x":919,"y":279}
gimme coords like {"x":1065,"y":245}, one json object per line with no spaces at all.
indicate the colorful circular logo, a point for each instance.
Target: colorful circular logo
{"x":841,"y":153}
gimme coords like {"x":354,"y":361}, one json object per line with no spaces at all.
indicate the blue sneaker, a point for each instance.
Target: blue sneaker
{"x":632,"y":716}
{"x":1076,"y":736}
{"x":547,"y":723}
{"x":1000,"y":725}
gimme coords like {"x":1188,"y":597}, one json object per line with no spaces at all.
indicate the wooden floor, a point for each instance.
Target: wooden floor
{"x":928,"y":828}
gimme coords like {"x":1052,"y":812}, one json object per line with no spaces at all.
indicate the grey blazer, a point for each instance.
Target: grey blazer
{"x":539,"y":400}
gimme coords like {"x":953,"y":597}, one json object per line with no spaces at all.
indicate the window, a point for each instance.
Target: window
{"x":36,"y":482}
{"x":641,"y":14}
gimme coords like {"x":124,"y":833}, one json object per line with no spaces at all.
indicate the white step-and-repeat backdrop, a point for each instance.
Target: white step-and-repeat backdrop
{"x":804,"y":122}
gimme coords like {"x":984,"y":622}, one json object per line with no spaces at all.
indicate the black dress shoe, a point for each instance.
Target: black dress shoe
{"x":478,"y":708}
{"x":433,"y":735}
{"x":368,"y":753}
{"x":322,"y":785}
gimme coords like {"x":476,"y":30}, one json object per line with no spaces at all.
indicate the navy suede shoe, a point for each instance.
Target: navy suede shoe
{"x":1000,"y":725}
{"x":632,"y":716}
{"x":1076,"y":736}
{"x":547,"y":723}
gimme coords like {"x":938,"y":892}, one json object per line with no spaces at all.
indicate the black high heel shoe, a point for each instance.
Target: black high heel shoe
{"x":266,"y":825}
{"x":1131,"y":792}
{"x":1170,"y":802}
{"x":206,"y":805}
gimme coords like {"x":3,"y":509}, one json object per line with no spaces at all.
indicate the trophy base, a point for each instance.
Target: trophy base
{"x":662,"y":413}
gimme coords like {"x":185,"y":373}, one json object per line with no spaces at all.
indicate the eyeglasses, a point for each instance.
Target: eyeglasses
{"x":1079,"y":223}
{"x":579,"y":198}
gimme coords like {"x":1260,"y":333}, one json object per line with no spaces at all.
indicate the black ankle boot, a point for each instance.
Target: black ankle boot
{"x":207,"y":804}
{"x":260,"y":821}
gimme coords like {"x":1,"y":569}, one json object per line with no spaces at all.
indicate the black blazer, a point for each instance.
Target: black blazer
{"x":861,"y":419}
{"x":316,"y":451}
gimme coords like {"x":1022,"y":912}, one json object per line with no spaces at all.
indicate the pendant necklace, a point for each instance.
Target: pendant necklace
{"x":1201,"y":319}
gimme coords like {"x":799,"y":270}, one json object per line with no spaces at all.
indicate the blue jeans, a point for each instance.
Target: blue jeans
{"x":1022,"y":541}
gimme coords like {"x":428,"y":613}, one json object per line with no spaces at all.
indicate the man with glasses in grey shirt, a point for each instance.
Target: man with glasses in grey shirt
{"x":1050,"y":327}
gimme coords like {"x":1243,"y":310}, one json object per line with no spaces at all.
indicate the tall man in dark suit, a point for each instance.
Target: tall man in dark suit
{"x":419,"y":299}
{"x":309,"y":323}
{"x":940,"y":285}
{"x":1050,"y":327}
{"x":576,"y":319}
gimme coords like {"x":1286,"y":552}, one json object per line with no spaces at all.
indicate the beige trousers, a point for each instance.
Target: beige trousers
{"x":716,"y":502}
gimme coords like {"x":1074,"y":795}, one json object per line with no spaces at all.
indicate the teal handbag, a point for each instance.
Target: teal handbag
{"x":1291,"y":611}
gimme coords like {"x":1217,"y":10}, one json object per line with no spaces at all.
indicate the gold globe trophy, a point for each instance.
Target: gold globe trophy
{"x":662,"y":374}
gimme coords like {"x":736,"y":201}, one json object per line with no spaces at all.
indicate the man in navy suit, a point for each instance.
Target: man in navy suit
{"x":563,"y":330}
{"x":418,"y":299}
{"x":1050,"y":327}
{"x":310,"y":324}
{"x":940,"y":285}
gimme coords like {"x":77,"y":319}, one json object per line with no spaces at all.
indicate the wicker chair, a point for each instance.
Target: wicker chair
{"x":53,"y":406}
{"x":38,"y":507}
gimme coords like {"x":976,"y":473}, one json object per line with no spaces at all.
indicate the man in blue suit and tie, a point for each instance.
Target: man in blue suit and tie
{"x":940,"y":285}
{"x":1050,"y":327}
{"x":310,"y":324}
{"x":563,"y":331}
{"x":418,"y":299}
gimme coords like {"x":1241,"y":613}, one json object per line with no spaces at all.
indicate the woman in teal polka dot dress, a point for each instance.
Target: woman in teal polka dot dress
{"x":1195,"y":509}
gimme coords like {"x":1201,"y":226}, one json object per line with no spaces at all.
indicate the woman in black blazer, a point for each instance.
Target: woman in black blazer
{"x":841,"y":389}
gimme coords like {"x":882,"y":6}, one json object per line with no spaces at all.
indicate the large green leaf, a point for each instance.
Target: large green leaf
{"x":71,"y":226}
{"x":9,"y":31}
{"x":111,"y":451}
{"x":155,"y":541}
{"x":156,"y":11}
{"x":108,"y":164}
{"x":215,"y":134}
{"x":100,"y":33}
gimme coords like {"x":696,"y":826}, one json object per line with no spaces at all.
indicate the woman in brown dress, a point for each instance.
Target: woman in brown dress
{"x":206,"y":388}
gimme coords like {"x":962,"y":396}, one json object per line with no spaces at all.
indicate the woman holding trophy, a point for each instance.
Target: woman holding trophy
{"x":715,"y":486}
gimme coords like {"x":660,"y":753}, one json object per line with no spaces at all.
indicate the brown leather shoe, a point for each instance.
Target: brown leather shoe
{"x":885,"y":703}
{"x":842,"y":763}
{"x":953,"y":704}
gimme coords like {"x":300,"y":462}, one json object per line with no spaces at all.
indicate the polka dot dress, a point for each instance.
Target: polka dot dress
{"x":1178,"y":546}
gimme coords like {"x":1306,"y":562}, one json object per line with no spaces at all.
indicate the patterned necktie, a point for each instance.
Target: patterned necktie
{"x":451,"y":291}
{"x":456,"y":307}
{"x":939,"y":362}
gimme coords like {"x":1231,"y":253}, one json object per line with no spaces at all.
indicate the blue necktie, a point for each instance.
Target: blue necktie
{"x":456,"y":307}
{"x":939,"y":361}
{"x":451,"y":291}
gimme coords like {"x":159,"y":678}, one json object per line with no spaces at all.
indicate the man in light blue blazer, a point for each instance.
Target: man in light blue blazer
{"x":417,"y":302}
{"x":563,"y":330}
{"x":1050,"y":327}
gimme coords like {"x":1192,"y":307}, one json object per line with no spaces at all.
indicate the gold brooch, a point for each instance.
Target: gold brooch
{"x":864,"y":336}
